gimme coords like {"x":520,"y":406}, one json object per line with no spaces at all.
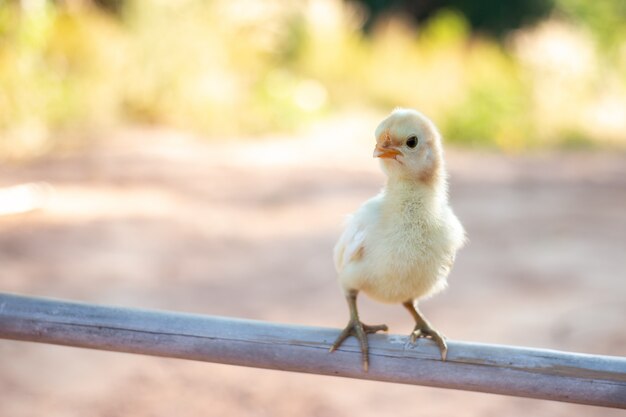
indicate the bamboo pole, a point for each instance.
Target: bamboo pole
{"x":533,"y":373}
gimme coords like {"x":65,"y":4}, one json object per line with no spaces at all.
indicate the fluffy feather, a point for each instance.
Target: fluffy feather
{"x":400,"y":245}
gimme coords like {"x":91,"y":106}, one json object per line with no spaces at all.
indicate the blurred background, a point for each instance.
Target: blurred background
{"x":200,"y":156}
{"x":525,"y":74}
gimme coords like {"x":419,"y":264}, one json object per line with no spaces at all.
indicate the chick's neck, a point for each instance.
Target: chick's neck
{"x":430,"y":195}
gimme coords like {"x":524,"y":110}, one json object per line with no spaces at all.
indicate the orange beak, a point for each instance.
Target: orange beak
{"x":386,"y":152}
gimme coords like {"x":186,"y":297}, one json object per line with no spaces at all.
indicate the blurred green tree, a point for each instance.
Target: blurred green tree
{"x":494,"y":18}
{"x":606,"y":20}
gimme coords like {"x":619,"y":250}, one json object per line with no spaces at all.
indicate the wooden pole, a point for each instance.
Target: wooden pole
{"x":533,"y":373}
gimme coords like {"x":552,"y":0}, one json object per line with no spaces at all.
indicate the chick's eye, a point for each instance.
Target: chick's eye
{"x":411,"y":142}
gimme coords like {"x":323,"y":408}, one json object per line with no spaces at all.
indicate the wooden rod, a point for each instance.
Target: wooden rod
{"x":534,"y":373}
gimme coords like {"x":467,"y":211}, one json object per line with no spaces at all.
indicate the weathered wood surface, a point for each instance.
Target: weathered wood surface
{"x":534,"y":373}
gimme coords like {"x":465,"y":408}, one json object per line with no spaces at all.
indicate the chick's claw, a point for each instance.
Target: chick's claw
{"x":426,"y":331}
{"x":360,"y":331}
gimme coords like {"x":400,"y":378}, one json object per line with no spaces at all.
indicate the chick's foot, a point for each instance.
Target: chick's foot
{"x":359,"y":330}
{"x":424,"y":330}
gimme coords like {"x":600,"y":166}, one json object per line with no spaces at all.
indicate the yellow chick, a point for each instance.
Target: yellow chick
{"x":399,"y":246}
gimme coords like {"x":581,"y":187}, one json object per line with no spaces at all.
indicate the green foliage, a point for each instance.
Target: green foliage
{"x":55,"y":72}
{"x":496,"y":18}
{"x":230,"y":68}
{"x":605,"y":19}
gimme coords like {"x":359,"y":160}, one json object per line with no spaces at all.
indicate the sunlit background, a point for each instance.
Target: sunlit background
{"x":516,"y":75}
{"x":200,"y":156}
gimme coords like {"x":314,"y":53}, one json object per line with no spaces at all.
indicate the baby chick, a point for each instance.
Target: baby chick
{"x":399,"y":246}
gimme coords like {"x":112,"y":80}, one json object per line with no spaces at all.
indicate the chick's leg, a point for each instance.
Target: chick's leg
{"x":423,"y":329}
{"x":357,"y":329}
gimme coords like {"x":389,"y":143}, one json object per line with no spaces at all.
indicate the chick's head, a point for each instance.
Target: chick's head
{"x":409,"y":147}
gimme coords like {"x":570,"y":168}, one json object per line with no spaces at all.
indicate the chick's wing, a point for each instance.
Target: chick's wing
{"x":351,"y":244}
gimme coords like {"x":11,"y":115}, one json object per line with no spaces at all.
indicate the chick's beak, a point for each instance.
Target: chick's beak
{"x":386,"y":152}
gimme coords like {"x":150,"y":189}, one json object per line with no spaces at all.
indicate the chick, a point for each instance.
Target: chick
{"x":399,"y":246}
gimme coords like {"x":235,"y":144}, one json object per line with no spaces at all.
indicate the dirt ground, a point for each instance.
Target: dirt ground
{"x":156,"y":219}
